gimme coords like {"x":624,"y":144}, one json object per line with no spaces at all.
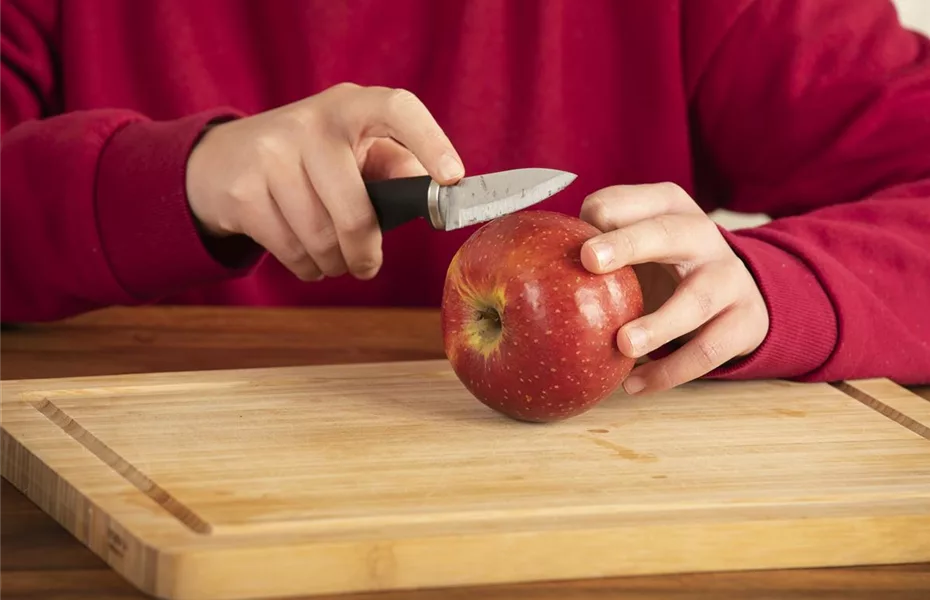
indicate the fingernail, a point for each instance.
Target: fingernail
{"x":450,"y":167}
{"x":633,"y":385}
{"x":604,"y":253}
{"x":637,"y":338}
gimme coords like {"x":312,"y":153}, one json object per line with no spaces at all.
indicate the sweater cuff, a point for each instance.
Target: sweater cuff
{"x":802,"y":322}
{"x":149,"y":234}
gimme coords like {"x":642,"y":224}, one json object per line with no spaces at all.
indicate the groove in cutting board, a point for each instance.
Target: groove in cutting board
{"x":892,"y":401}
{"x":172,"y":505}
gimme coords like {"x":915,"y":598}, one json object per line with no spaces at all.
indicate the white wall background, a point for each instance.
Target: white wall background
{"x":914,"y":14}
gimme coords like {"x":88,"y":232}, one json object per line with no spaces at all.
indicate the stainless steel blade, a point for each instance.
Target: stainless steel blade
{"x":485,"y":197}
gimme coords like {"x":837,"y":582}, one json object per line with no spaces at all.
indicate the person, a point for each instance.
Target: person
{"x":214,"y":152}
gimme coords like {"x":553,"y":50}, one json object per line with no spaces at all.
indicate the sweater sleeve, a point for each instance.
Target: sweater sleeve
{"x":94,"y":209}
{"x":817,"y":113}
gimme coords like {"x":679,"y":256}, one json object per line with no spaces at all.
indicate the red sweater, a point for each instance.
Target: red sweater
{"x":816,"y":112}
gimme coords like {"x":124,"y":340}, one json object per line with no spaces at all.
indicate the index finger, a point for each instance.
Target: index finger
{"x":401,"y":115}
{"x":664,"y":239}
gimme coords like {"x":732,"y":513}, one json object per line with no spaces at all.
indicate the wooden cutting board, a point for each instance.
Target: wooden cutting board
{"x":287,"y":481}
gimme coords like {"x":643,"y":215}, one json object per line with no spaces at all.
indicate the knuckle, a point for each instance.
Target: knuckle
{"x":325,"y":242}
{"x":356,"y":224}
{"x":596,"y":210}
{"x":670,"y":188}
{"x":246,"y":190}
{"x":309,"y":116}
{"x":306,"y":271}
{"x":365,"y":264}
{"x":626,"y":243}
{"x":344,"y":87}
{"x":293,"y":254}
{"x":665,"y":227}
{"x":709,"y":228}
{"x":662,"y":377}
{"x":271,"y":148}
{"x":400,"y":100}
{"x":674,"y":194}
{"x":336,"y":93}
{"x":703,"y":301}
{"x":709,"y":353}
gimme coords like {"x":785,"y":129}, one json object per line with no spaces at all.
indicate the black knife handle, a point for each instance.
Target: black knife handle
{"x":397,"y":201}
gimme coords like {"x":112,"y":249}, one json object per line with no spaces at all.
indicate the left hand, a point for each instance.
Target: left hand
{"x":708,"y":296}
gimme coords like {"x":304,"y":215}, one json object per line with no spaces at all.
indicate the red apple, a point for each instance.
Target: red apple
{"x":527,"y":329}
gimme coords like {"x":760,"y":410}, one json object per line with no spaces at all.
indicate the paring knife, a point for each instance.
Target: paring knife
{"x":471,"y":200}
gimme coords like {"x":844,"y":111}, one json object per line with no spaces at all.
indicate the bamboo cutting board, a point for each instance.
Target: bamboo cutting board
{"x":287,"y":481}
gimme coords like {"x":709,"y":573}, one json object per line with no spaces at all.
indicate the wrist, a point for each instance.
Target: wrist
{"x":802,"y":326}
{"x":203,"y":207}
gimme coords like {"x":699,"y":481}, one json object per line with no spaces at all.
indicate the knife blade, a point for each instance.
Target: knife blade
{"x":472,"y":200}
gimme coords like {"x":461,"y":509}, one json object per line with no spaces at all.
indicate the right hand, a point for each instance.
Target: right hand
{"x":292,"y":178}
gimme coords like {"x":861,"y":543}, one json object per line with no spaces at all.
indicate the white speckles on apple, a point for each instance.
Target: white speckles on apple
{"x":555,"y":387}
{"x":548,"y":332}
{"x":552,"y":369}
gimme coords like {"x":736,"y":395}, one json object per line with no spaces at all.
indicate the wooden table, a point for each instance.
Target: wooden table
{"x":41,"y":560}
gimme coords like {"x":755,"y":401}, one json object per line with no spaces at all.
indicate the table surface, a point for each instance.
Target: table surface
{"x":39,"y":559}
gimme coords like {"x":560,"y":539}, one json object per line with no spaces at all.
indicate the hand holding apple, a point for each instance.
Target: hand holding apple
{"x":711,"y":298}
{"x":527,"y":329}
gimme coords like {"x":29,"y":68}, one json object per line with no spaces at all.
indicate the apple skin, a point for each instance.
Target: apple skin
{"x":527,"y":329}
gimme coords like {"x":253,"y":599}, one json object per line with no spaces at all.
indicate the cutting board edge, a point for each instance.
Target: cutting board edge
{"x":424,"y":563}
{"x":98,"y":520}
{"x":84,"y":519}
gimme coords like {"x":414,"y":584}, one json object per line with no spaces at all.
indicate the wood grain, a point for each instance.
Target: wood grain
{"x":40,"y":560}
